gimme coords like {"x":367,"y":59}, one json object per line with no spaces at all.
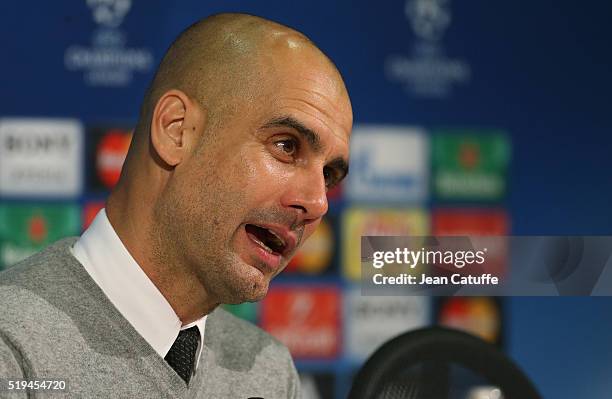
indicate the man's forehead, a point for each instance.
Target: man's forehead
{"x":321,"y":99}
{"x":305,"y":90}
{"x":299,"y":60}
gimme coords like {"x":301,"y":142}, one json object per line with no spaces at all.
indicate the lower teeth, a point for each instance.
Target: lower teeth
{"x":264,"y":246}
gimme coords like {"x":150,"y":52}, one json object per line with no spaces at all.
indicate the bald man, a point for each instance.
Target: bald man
{"x":245,"y":127}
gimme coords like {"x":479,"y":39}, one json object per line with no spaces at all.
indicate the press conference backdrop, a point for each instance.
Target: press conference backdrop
{"x":471,"y":117}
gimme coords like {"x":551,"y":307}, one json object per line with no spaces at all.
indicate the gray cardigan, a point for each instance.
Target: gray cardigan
{"x":56,"y":323}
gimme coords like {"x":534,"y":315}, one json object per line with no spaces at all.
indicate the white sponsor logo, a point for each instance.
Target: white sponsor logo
{"x":40,"y":157}
{"x":372,"y":320}
{"x":388,"y":163}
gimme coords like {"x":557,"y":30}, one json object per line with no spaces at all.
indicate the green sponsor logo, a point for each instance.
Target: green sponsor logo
{"x":470,"y":165}
{"x":26,"y":229}
{"x":246,"y":311}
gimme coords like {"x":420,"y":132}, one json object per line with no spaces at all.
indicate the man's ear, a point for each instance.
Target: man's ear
{"x":176,"y":124}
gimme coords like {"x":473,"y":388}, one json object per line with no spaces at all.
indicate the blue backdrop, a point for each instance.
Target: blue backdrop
{"x":538,"y":70}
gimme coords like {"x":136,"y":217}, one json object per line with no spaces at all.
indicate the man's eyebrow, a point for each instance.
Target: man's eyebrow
{"x":287,"y":121}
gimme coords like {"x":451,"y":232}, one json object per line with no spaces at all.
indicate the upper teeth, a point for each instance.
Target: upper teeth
{"x":276,"y":235}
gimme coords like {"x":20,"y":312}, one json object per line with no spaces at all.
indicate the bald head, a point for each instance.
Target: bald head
{"x":225,"y":57}
{"x":246,"y":124}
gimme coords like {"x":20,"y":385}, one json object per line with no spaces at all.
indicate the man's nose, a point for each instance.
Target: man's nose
{"x":307,"y":193}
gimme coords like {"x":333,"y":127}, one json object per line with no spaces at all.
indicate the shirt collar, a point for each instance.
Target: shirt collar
{"x":126,"y":285}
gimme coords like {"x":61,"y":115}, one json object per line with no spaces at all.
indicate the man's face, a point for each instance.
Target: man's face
{"x":255,"y":190}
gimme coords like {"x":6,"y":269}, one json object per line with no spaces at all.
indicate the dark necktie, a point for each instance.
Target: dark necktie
{"x":181,"y":356}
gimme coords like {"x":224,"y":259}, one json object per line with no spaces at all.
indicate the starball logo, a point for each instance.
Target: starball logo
{"x":109,"y":13}
{"x":429,"y":18}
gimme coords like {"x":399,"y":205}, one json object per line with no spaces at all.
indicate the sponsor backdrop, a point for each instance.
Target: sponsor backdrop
{"x":480,"y":118}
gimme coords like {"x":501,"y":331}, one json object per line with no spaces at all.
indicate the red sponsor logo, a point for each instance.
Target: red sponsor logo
{"x":492,"y":225}
{"x":478,"y":316}
{"x":306,"y":319}
{"x":37,"y":228}
{"x":111,"y":152}
{"x":469,"y":155}
{"x":484,"y":222}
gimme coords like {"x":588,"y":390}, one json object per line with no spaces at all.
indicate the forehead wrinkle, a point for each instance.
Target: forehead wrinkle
{"x":320,"y":96}
{"x":314,"y":113}
{"x":324,"y":117}
{"x":313,"y":138}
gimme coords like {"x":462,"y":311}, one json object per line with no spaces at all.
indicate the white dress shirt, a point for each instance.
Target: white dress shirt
{"x":126,"y":285}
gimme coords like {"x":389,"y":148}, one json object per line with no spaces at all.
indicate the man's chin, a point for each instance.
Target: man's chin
{"x":254,"y":294}
{"x":249,"y":285}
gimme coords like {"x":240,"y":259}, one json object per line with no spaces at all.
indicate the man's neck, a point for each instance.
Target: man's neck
{"x":181,"y":289}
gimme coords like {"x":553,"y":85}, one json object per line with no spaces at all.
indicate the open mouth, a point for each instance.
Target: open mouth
{"x":266,"y":238}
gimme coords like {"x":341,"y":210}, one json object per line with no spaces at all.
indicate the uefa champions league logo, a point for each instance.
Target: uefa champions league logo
{"x":429,"y":71}
{"x":429,"y":18}
{"x":108,"y":60}
{"x":109,"y":13}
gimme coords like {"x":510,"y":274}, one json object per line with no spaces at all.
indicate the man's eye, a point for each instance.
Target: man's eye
{"x":330,"y":177}
{"x":289,"y":147}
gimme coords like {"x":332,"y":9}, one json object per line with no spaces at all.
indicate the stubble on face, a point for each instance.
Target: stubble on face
{"x":194,"y":235}
{"x":202,"y":217}
{"x":204,"y":208}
